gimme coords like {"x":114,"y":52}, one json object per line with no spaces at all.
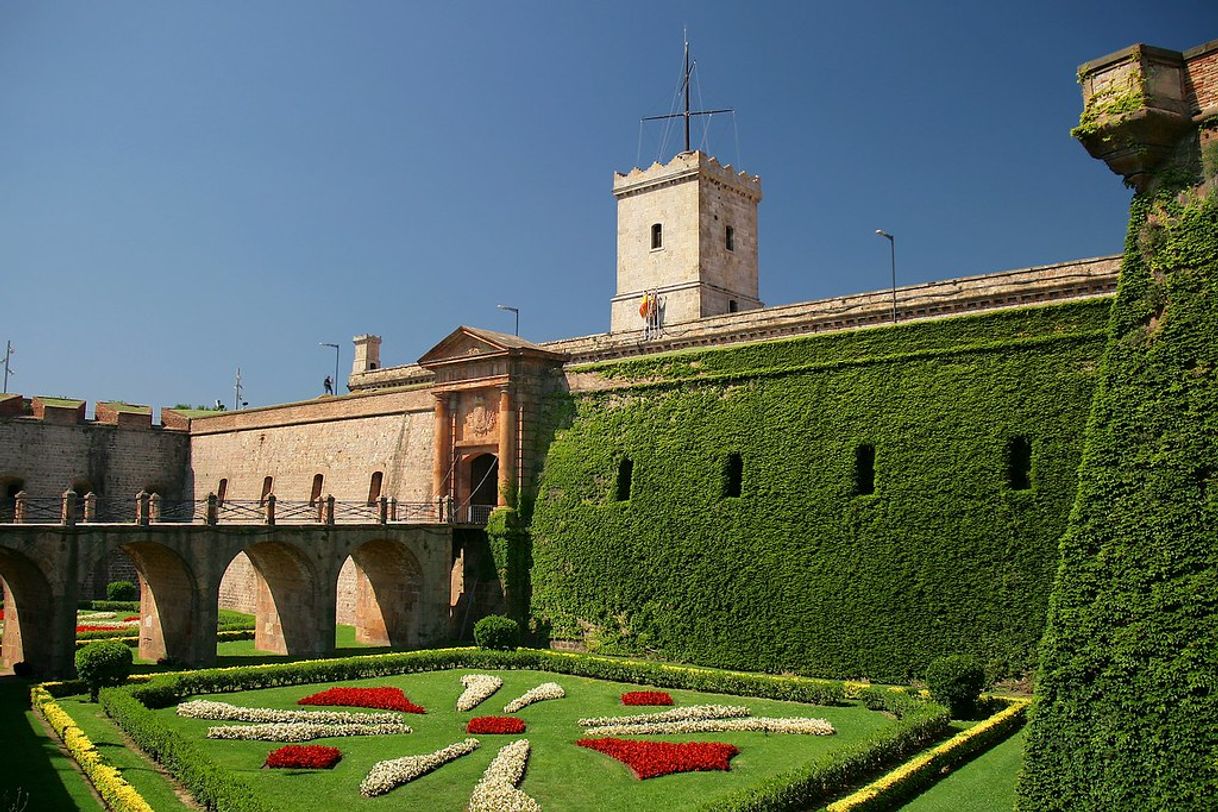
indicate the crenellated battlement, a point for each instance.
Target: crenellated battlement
{"x":684,"y":166}
{"x":57,"y":411}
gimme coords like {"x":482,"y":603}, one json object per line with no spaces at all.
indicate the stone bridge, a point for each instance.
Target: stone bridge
{"x":402,"y":586}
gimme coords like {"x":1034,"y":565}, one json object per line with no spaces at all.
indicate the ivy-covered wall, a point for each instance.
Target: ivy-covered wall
{"x":1127,"y":696}
{"x":799,"y":572}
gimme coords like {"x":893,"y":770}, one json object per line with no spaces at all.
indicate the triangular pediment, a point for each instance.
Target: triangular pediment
{"x":472,"y":342}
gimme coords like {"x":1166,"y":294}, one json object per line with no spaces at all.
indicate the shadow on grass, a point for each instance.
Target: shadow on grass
{"x":32,"y":762}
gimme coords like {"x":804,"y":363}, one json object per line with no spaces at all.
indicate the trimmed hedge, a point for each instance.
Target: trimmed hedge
{"x":834,"y":772}
{"x":919,"y":721}
{"x":497,"y":632}
{"x":118,"y":795}
{"x":925,"y":769}
{"x":1127,"y":697}
{"x":799,"y":573}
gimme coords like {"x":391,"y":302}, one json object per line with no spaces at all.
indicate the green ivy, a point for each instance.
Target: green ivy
{"x":1127,"y":714}
{"x":798,"y":573}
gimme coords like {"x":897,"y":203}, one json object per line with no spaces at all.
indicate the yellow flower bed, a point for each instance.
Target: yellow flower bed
{"x":919,"y":767}
{"x":117,"y":794}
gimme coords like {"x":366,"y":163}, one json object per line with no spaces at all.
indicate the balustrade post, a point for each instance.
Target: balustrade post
{"x":90,"y":513}
{"x":382,"y":510}
{"x":20,"y":508}
{"x":141,"y":508}
{"x":320,"y":504}
{"x":154,"y":507}
{"x":270,"y":509}
{"x":213,"y":509}
{"x":67,"y":508}
{"x":393,"y":508}
{"x":328,"y":513}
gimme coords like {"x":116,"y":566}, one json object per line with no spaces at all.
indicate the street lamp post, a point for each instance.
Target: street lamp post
{"x":335,"y":346}
{"x":892,"y":243}
{"x":515,"y":311}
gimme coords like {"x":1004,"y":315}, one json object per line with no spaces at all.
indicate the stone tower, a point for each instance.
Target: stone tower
{"x":686,"y":231}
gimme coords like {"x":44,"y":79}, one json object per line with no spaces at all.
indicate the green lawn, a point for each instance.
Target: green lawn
{"x":560,"y":774}
{"x":33,"y":767}
{"x":985,"y":784}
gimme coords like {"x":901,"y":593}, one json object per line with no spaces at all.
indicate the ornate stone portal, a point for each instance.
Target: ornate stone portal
{"x":486,"y":390}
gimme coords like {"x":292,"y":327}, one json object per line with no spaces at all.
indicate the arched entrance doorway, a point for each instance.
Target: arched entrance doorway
{"x":483,"y":483}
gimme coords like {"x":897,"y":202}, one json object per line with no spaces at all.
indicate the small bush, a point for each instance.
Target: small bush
{"x":101,"y":665}
{"x":122,"y":591}
{"x":23,"y":669}
{"x":956,"y":681}
{"x":497,"y":632}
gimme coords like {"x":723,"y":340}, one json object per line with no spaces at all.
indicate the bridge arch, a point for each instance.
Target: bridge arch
{"x":28,"y":613}
{"x":289,"y":604}
{"x":388,"y":581}
{"x":169,"y":602}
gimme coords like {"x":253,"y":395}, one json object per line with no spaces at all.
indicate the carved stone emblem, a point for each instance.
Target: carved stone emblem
{"x":480,"y":421}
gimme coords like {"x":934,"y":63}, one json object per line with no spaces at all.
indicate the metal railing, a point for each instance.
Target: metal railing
{"x":144,"y":509}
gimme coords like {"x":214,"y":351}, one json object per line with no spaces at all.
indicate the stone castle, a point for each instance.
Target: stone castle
{"x":444,"y":441}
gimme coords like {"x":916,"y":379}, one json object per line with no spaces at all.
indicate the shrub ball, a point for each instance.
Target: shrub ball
{"x":956,"y":681}
{"x":497,"y":632}
{"x":103,"y":664}
{"x":122,"y":591}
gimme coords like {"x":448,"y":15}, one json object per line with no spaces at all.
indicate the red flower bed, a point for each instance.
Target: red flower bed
{"x":649,"y":759}
{"x":1,"y":614}
{"x":646,"y":698}
{"x":305,"y":757}
{"x":380,"y":698}
{"x":97,"y":627}
{"x":129,"y":619}
{"x":495,"y":724}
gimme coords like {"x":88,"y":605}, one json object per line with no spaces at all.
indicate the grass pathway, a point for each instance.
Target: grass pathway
{"x":985,"y":784}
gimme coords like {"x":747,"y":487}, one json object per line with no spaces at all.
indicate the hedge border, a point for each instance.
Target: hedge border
{"x":114,"y":790}
{"x":134,"y":642}
{"x":926,"y":768}
{"x":918,"y":721}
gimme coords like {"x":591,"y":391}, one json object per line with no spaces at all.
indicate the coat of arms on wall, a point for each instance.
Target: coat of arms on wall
{"x":480,"y":421}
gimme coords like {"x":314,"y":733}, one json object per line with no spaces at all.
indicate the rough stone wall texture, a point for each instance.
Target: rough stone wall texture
{"x":732,"y":273}
{"x":114,"y":462}
{"x":345,"y":440}
{"x":239,"y":586}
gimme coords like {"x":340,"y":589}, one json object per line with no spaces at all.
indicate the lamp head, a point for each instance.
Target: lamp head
{"x":882,"y":233}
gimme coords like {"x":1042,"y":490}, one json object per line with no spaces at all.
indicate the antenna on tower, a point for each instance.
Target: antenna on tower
{"x":8,"y":370}
{"x":687,"y":114}
{"x":237,"y":390}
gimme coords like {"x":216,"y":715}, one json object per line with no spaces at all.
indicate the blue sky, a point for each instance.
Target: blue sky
{"x":188,"y":188}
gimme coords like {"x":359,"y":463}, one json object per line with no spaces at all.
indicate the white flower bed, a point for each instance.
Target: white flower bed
{"x":674,"y":715}
{"x":91,"y":616}
{"x":223,"y":711}
{"x":760,"y":724}
{"x":497,"y":792}
{"x":547,"y":690}
{"x":477,"y":688}
{"x":301,"y":731}
{"x":386,"y":775}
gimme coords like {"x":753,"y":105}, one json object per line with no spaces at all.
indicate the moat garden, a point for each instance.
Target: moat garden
{"x":489,"y":728}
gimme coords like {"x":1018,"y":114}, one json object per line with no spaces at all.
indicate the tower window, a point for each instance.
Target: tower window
{"x":625,"y":473}
{"x":1019,"y":464}
{"x":732,"y":306}
{"x":733,"y":475}
{"x":267,"y":484}
{"x":864,"y":470}
{"x":657,"y":236}
{"x":374,"y":487}
{"x":315,"y":493}
{"x":730,"y":239}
